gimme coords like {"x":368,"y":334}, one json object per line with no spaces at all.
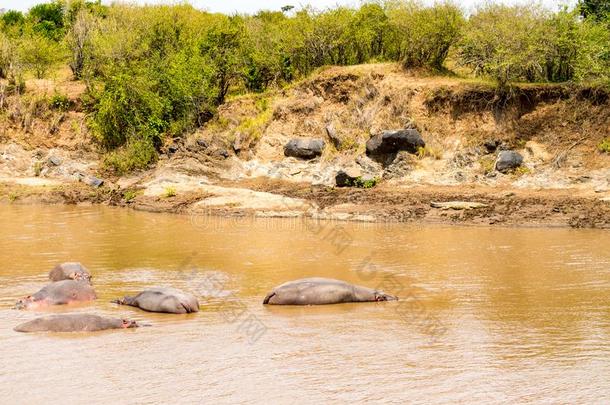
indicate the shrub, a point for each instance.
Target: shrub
{"x":129,"y":195}
{"x":48,"y":19}
{"x":134,"y":155}
{"x":505,"y":42}
{"x":604,"y":145}
{"x":59,"y":102}
{"x":39,"y":54}
{"x":424,"y":34}
{"x":169,"y":192}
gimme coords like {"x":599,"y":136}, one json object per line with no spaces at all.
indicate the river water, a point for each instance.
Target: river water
{"x":488,"y":315}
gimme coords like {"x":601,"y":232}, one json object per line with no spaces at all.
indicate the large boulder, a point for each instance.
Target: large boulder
{"x":508,"y":160}
{"x":304,"y":148}
{"x":392,"y":142}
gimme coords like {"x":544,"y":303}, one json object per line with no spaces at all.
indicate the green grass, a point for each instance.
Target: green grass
{"x":604,"y":146}
{"x":130,"y":195}
{"x":37,"y":168}
{"x":428,"y":151}
{"x":169,"y":192}
{"x":359,"y":182}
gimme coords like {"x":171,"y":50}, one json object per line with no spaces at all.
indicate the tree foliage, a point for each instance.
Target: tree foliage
{"x":160,"y":71}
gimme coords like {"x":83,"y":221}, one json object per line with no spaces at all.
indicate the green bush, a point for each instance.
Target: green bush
{"x":132,"y":156}
{"x":59,"y":102}
{"x":161,"y":71}
{"x":506,"y":43}
{"x":528,"y":43}
{"x":424,"y":35}
{"x":47,"y":19}
{"x":604,"y":146}
{"x":39,"y":54}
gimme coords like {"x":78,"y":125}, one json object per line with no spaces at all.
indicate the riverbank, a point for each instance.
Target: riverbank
{"x":272,"y":198}
{"x":240,"y":163}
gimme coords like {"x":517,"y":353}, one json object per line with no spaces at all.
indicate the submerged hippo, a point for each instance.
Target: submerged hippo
{"x":70,"y":271}
{"x":74,"y":323}
{"x":58,"y":293}
{"x":319,"y":291}
{"x":169,"y":300}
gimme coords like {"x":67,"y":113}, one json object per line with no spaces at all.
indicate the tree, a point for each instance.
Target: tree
{"x":599,"y":10}
{"x":222,"y":51}
{"x":507,"y":43}
{"x":39,"y":54}
{"x":48,"y":19}
{"x":79,"y":41}
{"x":12,"y":18}
{"x":425,"y":34}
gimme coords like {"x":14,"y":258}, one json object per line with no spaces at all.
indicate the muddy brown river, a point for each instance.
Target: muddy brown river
{"x":488,"y":315}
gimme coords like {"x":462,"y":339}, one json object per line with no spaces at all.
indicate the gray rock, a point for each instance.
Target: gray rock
{"x":392,"y":142}
{"x":89,"y":180}
{"x":202,"y":143}
{"x":54,"y":160}
{"x":508,"y":160}
{"x":332,"y":134}
{"x":93,"y":181}
{"x":304,"y":148}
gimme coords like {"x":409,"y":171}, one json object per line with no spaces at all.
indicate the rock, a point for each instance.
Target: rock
{"x":353,"y":177}
{"x":221,"y":153}
{"x":508,"y":160}
{"x":239,"y":142}
{"x":202,"y":143}
{"x":332,"y":134}
{"x":367,"y":164}
{"x":93,"y":181}
{"x":304,"y":148}
{"x":54,"y":160}
{"x":457,"y":205}
{"x":491,"y":146}
{"x":347,"y":177}
{"x":392,"y":142}
{"x":90,"y":180}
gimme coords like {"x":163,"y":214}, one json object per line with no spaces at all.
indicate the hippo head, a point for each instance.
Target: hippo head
{"x":24,"y":303}
{"x":129,"y":324}
{"x":80,"y":276}
{"x":381,"y":296}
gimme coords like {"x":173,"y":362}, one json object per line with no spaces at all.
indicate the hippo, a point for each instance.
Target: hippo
{"x":58,"y":293}
{"x":168,"y":300}
{"x":320,"y":291}
{"x":74,"y":323}
{"x":70,"y":271}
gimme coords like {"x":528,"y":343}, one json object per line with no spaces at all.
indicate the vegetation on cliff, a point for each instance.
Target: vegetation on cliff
{"x":157,"y":72}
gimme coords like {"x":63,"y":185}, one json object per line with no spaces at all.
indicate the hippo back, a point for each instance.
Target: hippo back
{"x":65,"y":292}
{"x":168,"y":300}
{"x":313,"y":291}
{"x":70,"y":271}
{"x":70,"y":323}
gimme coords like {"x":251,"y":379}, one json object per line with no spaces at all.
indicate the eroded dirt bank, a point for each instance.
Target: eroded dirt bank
{"x":236,"y":164}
